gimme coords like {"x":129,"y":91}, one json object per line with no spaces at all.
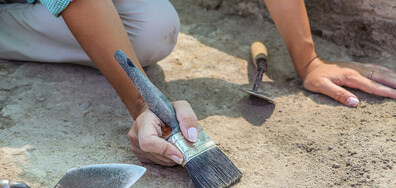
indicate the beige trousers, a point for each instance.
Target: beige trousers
{"x":30,"y":33}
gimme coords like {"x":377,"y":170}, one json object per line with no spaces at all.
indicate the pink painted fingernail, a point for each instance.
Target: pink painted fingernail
{"x":352,"y":101}
{"x":177,"y":159}
{"x":192,"y":134}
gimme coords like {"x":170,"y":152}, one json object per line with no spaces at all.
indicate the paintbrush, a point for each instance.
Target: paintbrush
{"x":205,"y":163}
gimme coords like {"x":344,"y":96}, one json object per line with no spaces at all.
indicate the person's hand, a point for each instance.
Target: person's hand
{"x":327,"y":77}
{"x":148,"y":133}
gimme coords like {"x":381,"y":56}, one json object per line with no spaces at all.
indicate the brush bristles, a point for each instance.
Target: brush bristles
{"x":212,"y":169}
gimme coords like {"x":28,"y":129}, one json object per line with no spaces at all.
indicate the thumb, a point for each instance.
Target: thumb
{"x":338,"y":93}
{"x":187,"y":119}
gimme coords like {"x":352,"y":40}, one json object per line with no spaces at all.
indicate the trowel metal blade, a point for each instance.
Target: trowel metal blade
{"x":101,"y":176}
{"x":259,"y":95}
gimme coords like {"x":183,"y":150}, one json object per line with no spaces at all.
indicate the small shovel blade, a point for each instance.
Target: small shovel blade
{"x":260,"y":95}
{"x":101,"y":176}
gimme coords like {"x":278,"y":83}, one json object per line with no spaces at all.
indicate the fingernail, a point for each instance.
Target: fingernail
{"x":177,"y":159}
{"x":352,"y":101}
{"x":192,"y":134}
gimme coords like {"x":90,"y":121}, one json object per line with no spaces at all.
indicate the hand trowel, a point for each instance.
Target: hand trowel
{"x":259,"y":55}
{"x":93,"y":176}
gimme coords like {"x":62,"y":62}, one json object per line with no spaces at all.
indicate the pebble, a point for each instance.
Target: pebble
{"x":336,"y":165}
{"x":348,"y":162}
{"x":330,"y":148}
{"x":40,"y":99}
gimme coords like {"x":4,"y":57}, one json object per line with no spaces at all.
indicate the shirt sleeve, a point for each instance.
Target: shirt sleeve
{"x":55,"y":6}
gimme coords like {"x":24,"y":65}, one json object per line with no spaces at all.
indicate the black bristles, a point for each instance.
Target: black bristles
{"x":212,"y":169}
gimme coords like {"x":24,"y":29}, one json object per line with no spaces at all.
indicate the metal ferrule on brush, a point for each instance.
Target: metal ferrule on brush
{"x":192,"y":149}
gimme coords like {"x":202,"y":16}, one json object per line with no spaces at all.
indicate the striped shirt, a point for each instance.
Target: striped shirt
{"x":54,"y":6}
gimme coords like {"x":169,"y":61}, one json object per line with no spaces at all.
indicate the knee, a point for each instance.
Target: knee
{"x":153,"y":30}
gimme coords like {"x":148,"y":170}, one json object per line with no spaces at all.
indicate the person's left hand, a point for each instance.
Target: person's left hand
{"x":327,"y":77}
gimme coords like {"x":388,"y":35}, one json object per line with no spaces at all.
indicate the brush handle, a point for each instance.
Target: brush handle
{"x":156,"y":101}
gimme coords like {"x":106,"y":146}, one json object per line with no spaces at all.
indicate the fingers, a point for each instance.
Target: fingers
{"x":187,"y":119}
{"x":377,"y":67}
{"x":370,"y":86}
{"x":327,"y":87}
{"x":153,"y":159}
{"x":374,"y":72}
{"x":148,"y":146}
{"x":338,"y":93}
{"x":149,"y":158}
{"x":329,"y":77}
{"x":150,"y":142}
{"x":386,"y":78}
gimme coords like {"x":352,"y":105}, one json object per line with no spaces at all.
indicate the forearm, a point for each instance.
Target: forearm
{"x":291,"y":19}
{"x":98,"y":28}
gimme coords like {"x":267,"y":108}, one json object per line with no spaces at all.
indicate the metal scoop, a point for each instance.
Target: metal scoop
{"x":259,"y":55}
{"x":93,"y":176}
{"x":101,"y":176}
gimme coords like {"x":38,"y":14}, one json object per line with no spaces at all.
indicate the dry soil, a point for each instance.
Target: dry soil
{"x":55,"y":117}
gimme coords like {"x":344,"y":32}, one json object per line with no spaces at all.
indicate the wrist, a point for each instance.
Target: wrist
{"x":302,"y":56}
{"x":137,"y":108}
{"x":303,"y":71}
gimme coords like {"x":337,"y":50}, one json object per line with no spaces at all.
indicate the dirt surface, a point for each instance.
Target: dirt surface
{"x":55,"y":117}
{"x":363,"y":27}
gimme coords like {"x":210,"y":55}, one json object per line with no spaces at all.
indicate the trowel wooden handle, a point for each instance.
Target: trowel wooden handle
{"x":259,"y":52}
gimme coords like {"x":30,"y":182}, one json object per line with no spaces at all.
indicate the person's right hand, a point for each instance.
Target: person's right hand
{"x":148,"y":133}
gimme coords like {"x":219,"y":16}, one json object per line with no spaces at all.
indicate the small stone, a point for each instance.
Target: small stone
{"x":352,"y":153}
{"x":348,"y":162}
{"x":336,"y":165}
{"x":309,"y":149}
{"x":40,"y":99}
{"x":330,"y":148}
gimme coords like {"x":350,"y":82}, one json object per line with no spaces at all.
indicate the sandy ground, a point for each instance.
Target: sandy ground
{"x":55,"y":117}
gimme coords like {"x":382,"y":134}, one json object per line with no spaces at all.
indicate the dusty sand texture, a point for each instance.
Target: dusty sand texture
{"x":363,"y":27}
{"x":55,"y":117}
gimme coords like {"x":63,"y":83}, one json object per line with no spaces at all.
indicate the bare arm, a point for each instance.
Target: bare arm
{"x":99,"y":30}
{"x":319,"y":75}
{"x":291,"y":19}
